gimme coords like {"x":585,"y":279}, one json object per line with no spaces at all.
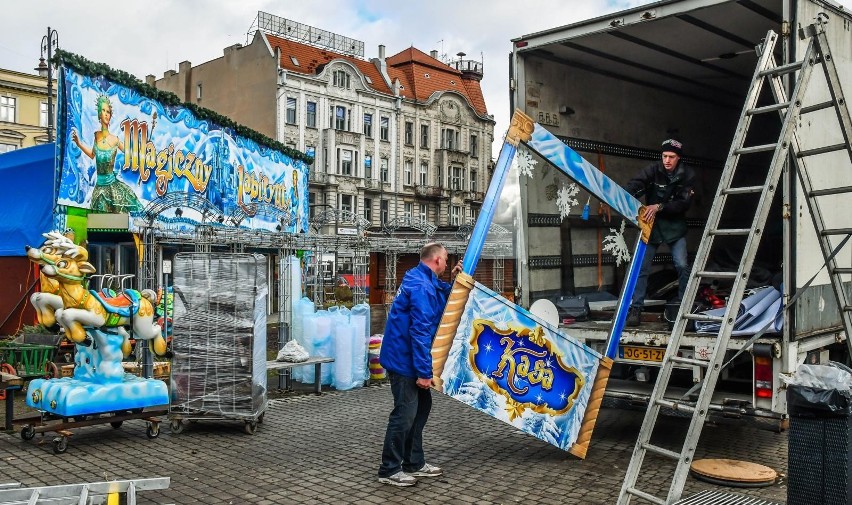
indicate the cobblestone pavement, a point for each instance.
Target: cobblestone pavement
{"x":326,"y":449}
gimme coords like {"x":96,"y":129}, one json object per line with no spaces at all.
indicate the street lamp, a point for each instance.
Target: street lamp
{"x":48,"y":43}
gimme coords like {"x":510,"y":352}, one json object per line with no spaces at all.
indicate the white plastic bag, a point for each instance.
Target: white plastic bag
{"x":831,"y":376}
{"x":292,"y":352}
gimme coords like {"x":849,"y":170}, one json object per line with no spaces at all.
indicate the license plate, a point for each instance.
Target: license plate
{"x":642,"y":353}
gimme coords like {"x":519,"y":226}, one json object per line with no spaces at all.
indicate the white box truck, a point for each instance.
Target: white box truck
{"x":613,"y":88}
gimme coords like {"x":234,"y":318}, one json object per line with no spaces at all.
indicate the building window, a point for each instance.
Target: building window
{"x":312,"y":200}
{"x":474,"y":146}
{"x":341,"y":118}
{"x":325,"y":158}
{"x":5,"y":148}
{"x":346,"y":203}
{"x":341,"y":79}
{"x":424,"y":173}
{"x":311,"y":115}
{"x":291,"y":111}
{"x":7,"y":108}
{"x":424,"y":136}
{"x":408,"y":168}
{"x":409,"y":133}
{"x":385,"y":128}
{"x":384,"y":212}
{"x":407,"y":209}
{"x":198,"y":91}
{"x":455,"y":218}
{"x":368,"y":125}
{"x":42,"y":114}
{"x":474,"y":214}
{"x":456,"y":178}
{"x":449,"y":139}
{"x":368,"y":209}
{"x":473,"y":180}
{"x":424,"y":208}
{"x":368,"y":167}
{"x":440,"y":176}
{"x":344,"y":165}
{"x":384,"y":170}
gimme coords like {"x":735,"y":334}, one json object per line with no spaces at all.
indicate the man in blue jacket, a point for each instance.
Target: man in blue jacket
{"x":406,"y":355}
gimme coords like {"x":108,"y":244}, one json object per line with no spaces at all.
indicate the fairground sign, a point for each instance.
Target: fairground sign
{"x":123,"y":152}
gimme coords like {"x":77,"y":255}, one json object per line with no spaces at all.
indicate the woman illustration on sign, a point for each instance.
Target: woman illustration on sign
{"x":110,"y":195}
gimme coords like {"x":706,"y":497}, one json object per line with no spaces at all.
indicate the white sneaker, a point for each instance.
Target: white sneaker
{"x":427,"y":470}
{"x":400,"y":479}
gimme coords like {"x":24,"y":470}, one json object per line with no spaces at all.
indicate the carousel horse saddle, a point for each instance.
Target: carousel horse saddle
{"x":124,"y":305}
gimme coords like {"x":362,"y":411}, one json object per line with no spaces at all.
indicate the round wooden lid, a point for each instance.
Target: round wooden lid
{"x":734,"y":471}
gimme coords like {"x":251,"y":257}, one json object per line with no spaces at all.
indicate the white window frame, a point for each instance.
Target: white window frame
{"x":424,"y":211}
{"x":424,"y":173}
{"x":344,"y":207}
{"x":424,"y":136}
{"x":8,"y":109}
{"x":290,"y":114}
{"x":408,"y":169}
{"x":311,"y":117}
{"x":384,"y":172}
{"x":368,"y":166}
{"x":408,"y":136}
{"x":474,"y":145}
{"x":368,"y":209}
{"x":345,"y":161}
{"x":407,"y":209}
{"x":42,"y":114}
{"x":368,"y":125}
{"x":384,"y":128}
{"x":340,"y":78}
{"x":455,"y":215}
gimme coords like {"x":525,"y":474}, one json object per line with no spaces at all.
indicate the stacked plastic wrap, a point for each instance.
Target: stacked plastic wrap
{"x":338,"y":333}
{"x":219,"y":344}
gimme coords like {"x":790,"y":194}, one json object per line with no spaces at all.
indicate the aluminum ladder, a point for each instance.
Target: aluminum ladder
{"x":80,"y":494}
{"x":786,"y":147}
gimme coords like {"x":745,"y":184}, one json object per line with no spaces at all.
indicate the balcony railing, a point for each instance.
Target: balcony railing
{"x":429,"y":191}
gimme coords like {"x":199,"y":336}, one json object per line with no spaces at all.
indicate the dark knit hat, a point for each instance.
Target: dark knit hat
{"x":672,"y":145}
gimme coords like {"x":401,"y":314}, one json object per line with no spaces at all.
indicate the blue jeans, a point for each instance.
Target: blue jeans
{"x":678,"y":249}
{"x":403,"y":447}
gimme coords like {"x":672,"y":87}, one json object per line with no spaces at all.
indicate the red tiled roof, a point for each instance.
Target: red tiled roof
{"x":416,"y":65}
{"x":310,"y":58}
{"x":410,"y":66}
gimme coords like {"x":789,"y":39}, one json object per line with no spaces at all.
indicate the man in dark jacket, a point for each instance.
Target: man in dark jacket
{"x":667,"y":186}
{"x":406,"y":355}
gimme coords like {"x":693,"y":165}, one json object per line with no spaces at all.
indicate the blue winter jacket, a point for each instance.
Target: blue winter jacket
{"x":412,"y":322}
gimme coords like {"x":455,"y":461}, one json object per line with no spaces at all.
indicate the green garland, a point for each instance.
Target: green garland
{"x":91,"y":68}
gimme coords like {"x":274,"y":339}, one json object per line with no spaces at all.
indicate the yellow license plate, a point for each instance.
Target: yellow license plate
{"x":642,"y":353}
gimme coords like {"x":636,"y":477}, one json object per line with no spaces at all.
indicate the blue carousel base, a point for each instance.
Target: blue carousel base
{"x":69,"y":397}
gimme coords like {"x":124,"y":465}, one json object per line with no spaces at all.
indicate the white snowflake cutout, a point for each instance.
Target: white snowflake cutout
{"x":525,"y":162}
{"x":566,"y":198}
{"x":616,"y":245}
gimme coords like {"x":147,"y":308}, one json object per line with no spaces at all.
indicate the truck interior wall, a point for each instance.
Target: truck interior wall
{"x":817,"y":309}
{"x":612,"y":111}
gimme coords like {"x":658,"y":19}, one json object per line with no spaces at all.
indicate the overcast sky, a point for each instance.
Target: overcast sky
{"x":153,"y":36}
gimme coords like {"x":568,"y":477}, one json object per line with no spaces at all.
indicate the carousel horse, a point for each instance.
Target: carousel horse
{"x":82,"y":307}
{"x":47,"y":301}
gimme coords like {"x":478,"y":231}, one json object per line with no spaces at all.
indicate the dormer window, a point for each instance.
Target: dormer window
{"x":294,"y":60}
{"x":341,"y":79}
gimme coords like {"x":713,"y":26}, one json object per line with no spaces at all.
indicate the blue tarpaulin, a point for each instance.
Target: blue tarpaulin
{"x":26,"y":210}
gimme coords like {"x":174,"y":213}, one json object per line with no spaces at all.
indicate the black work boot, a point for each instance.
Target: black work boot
{"x":634,"y":317}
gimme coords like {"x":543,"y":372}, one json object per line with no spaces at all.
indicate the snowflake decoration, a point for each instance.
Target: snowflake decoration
{"x":525,"y":162}
{"x":615,"y":245}
{"x":566,"y":198}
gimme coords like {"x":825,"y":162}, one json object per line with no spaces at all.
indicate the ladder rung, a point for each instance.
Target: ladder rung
{"x":847,"y":308}
{"x":769,"y":108}
{"x":718,"y":275}
{"x":756,"y":149}
{"x":704,"y":317}
{"x":675,"y":405}
{"x":661,"y":451}
{"x":645,"y":496}
{"x":782,"y":69}
{"x":831,"y":191}
{"x":842,"y":270}
{"x":731,"y":231}
{"x":821,"y":150}
{"x":742,"y":190}
{"x":690,"y":361}
{"x":816,"y":107}
{"x":836,"y":231}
